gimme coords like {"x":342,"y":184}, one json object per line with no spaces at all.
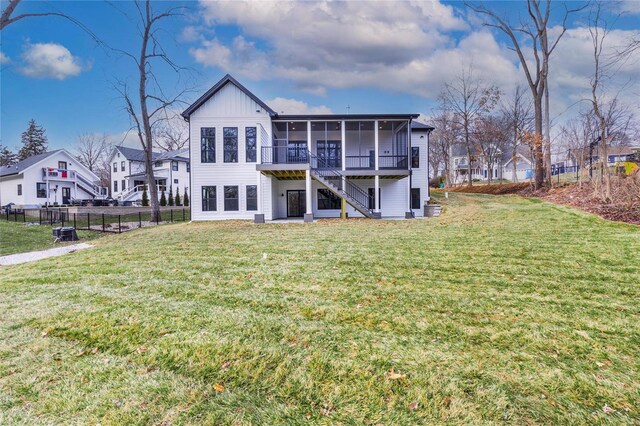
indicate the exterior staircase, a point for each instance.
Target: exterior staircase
{"x":333,"y":179}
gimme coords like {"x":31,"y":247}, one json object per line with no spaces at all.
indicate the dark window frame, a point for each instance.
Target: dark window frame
{"x":327,"y":200}
{"x":115,"y":186}
{"x":252,"y":202}
{"x":62,"y":163}
{"x":115,"y":166}
{"x":251,"y":153}
{"x":415,"y":200}
{"x":209,"y":195}
{"x":174,"y":165}
{"x":19,"y":189}
{"x":175,"y":181}
{"x":124,"y":184}
{"x":230,"y":152}
{"x":41,"y":190}
{"x":415,"y":157}
{"x":207,"y":144}
{"x":122,"y":166}
{"x":231,"y":204}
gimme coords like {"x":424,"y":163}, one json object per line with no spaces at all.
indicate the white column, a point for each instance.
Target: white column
{"x":410,"y":166}
{"x":259,"y":192}
{"x":344,"y":147}
{"x":376,"y":144}
{"x":309,"y":136}
{"x":376,"y":192}
{"x":308,"y":217}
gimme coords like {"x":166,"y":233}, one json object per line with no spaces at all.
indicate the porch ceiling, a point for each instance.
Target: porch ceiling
{"x":286,"y":174}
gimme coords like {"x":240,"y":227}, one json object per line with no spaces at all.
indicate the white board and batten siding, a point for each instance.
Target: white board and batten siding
{"x":420,"y":175}
{"x":229,"y":107}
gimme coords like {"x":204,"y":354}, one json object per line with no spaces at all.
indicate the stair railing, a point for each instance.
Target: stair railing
{"x":321,"y":167}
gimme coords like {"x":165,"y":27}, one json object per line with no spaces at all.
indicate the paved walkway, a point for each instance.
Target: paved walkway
{"x":14,"y":259}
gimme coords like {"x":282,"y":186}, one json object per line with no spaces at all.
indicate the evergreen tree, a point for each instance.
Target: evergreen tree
{"x":34,"y":141}
{"x":145,"y":197}
{"x":185,"y":199}
{"x":7,"y":157}
{"x":163,"y":199}
{"x":170,"y":200}
{"x":178,"y":200}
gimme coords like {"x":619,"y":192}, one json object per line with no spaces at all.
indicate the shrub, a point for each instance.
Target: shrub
{"x":145,"y":197}
{"x":178,"y":200}
{"x":170,"y":200}
{"x":163,"y":199}
{"x":185,"y":200}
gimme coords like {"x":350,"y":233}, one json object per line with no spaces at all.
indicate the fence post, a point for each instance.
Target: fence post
{"x":119,"y":225}
{"x":102,"y":222}
{"x":50,"y":216}
{"x":62,"y":218}
{"x":183,"y":218}
{"x":15,"y":215}
{"x":7,"y":215}
{"x":24,"y":216}
{"x":139,"y":219}
{"x":171,"y":215}
{"x":159,"y":217}
{"x":74,"y":221}
{"x":88,"y":220}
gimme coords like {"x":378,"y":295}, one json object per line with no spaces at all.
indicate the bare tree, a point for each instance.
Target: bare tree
{"x":537,"y":73}
{"x":171,"y":132}
{"x":491,"y":136}
{"x":518,"y":114}
{"x":577,"y":134}
{"x":445,"y":135}
{"x":149,"y":102}
{"x":467,"y":98}
{"x":90,"y":148}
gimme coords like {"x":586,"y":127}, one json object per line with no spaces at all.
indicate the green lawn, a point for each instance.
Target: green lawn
{"x":502,"y":310}
{"x":16,"y":237}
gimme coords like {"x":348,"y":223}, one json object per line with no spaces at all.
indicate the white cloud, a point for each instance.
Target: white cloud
{"x":4,"y":59}
{"x":50,"y":60}
{"x":294,"y":106}
{"x":332,"y":44}
{"x":630,"y":6}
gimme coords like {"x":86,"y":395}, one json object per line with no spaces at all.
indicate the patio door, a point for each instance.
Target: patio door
{"x":66,"y":195}
{"x":296,"y":203}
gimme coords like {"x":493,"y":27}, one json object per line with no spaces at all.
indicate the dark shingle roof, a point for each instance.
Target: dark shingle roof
{"x":216,"y":88}
{"x":20,"y":166}
{"x":133,"y":154}
{"x":416,"y":126}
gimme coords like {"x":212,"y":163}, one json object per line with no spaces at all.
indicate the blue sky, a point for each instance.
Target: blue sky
{"x":298,"y":57}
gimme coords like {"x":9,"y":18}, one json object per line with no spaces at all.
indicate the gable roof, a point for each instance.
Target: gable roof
{"x":216,"y":88}
{"x":21,"y":166}
{"x":133,"y":154}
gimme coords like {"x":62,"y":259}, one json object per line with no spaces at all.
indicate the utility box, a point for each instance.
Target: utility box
{"x":68,"y":233}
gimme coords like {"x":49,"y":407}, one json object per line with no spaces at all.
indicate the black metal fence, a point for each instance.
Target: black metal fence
{"x":102,"y":222}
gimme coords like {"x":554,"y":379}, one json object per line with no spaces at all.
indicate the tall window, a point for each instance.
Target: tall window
{"x":188,"y":167}
{"x":330,"y":152}
{"x":208,"y":145}
{"x":230,"y":143}
{"x":115,"y":167}
{"x":19,"y":189}
{"x":62,"y":165}
{"x":122,"y":166}
{"x":209,"y":199}
{"x":115,"y":186}
{"x":124,"y":184}
{"x":252,"y":197}
{"x":415,"y":198}
{"x":41,"y":190}
{"x":415,"y":157}
{"x":327,"y":200}
{"x":251,"y":142}
{"x":231,"y":198}
{"x":174,"y":166}
{"x":372,"y":197}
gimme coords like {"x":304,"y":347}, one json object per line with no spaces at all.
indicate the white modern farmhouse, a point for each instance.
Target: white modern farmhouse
{"x":248,"y":162}
{"x":128,"y":177}
{"x":54,"y":177}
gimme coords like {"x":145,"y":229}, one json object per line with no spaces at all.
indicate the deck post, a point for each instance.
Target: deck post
{"x":308,"y":216}
{"x":344,"y":147}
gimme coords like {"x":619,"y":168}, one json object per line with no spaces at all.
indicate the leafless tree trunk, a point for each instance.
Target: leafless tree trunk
{"x":150,"y":98}
{"x":598,"y":29}
{"x":537,"y":75}
{"x":467,"y":99}
{"x":443,"y":138}
{"x":519,"y":117}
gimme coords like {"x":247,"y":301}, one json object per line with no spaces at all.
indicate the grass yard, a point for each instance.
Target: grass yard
{"x":502,"y":310}
{"x":16,"y":237}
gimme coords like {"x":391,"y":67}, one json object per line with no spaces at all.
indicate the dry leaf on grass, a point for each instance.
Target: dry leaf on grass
{"x":218,"y":387}
{"x":392,"y":375}
{"x":608,"y":410}
{"x":413,"y":406}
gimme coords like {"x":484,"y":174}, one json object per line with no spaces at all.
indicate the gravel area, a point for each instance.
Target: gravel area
{"x":14,"y":259}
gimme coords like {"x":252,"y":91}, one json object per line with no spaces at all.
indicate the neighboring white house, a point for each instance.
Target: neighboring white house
{"x":502,"y":167}
{"x":54,"y":177}
{"x":128,"y":177}
{"x":250,"y":162}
